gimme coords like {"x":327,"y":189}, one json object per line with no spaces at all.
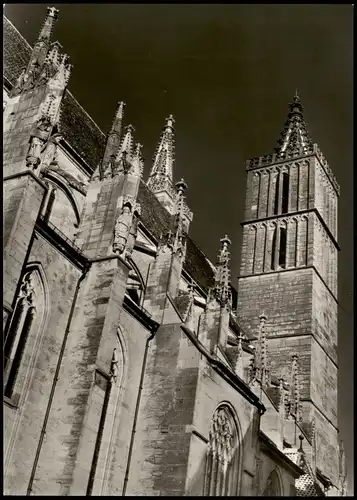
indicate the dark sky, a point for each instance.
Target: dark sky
{"x":227,"y":74}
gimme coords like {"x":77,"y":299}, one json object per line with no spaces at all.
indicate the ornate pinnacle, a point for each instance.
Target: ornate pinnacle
{"x":117,"y":122}
{"x":127,"y":143}
{"x":161,"y":175}
{"x":136,"y":163}
{"x":294,"y":396}
{"x":222,"y":278}
{"x":113,"y":138}
{"x":261,"y":371}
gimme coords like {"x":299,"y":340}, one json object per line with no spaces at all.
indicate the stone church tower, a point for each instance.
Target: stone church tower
{"x":131,"y":364}
{"x":289,"y":270}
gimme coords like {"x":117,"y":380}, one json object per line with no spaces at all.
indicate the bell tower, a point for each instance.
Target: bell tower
{"x":289,"y":272}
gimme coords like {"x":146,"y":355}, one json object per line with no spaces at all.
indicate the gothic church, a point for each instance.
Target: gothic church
{"x":132,"y":366}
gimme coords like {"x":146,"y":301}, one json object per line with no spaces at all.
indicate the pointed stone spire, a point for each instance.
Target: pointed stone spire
{"x":114,"y":136}
{"x":160,"y":180}
{"x":127,"y":145}
{"x":43,"y":42}
{"x":38,"y":68}
{"x":294,"y":405}
{"x":261,"y":373}
{"x":294,"y":139}
{"x":222,"y":288}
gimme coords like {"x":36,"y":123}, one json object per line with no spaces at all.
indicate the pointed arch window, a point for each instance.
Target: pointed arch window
{"x":18,"y":338}
{"x":272,"y":488}
{"x":222,"y":468}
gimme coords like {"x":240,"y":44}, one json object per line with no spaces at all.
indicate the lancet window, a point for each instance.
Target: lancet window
{"x":222,"y":469}
{"x":278,"y":250}
{"x":281,"y":200}
{"x":272,"y":488}
{"x":25,"y":318}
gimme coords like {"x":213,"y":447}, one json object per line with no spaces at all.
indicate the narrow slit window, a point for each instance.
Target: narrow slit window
{"x":285,"y":197}
{"x":273,"y":250}
{"x":282,"y":249}
{"x":276,"y":200}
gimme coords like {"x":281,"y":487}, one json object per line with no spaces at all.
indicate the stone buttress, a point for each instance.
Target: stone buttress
{"x":85,"y":396}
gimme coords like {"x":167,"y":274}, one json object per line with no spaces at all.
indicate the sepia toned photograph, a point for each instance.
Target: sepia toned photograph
{"x":178,"y":250}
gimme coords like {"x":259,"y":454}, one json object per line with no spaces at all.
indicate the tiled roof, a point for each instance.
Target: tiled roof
{"x":85,"y":137}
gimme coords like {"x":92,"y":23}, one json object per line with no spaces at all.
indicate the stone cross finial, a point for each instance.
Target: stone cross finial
{"x":170,"y":121}
{"x":181,"y":186}
{"x":225,"y":243}
{"x":120,"y":109}
{"x":53,"y":12}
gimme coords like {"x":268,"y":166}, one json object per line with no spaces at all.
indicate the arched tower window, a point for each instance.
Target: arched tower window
{"x":222,"y":470}
{"x":273,"y":249}
{"x":285,"y":194}
{"x":276,"y":199}
{"x":282,"y":247}
{"x":272,"y":488}
{"x":278,"y":248}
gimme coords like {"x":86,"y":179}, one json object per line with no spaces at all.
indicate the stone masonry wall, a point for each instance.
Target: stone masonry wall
{"x":160,"y":454}
{"x":76,"y":409}
{"x":22,"y":202}
{"x":23,"y":425}
{"x":19,"y":117}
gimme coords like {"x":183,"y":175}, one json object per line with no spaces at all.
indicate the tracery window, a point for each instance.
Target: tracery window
{"x":222,"y":469}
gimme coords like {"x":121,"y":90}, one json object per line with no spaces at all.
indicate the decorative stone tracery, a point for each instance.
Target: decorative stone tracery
{"x":222,"y":455}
